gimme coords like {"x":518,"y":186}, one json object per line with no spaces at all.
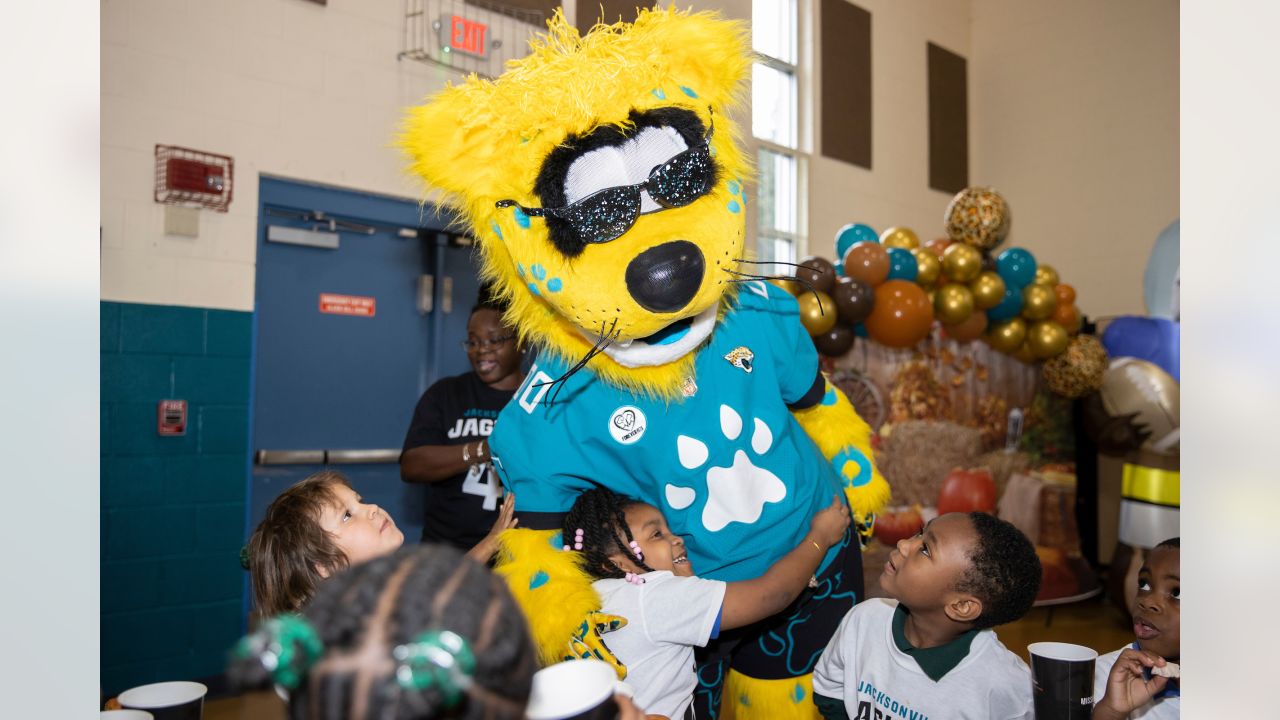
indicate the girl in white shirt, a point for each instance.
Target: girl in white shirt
{"x":644,"y":575}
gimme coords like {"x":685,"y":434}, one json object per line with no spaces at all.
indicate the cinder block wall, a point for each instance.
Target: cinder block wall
{"x":173,"y":508}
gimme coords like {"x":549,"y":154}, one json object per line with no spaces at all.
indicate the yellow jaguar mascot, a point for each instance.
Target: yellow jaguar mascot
{"x":604,"y":181}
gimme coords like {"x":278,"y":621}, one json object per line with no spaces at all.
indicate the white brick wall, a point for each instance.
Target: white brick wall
{"x":1073,"y":116}
{"x":286,"y":87}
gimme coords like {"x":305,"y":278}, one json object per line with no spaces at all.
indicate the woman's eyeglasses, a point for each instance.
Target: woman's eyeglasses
{"x":487,"y":344}
{"x":609,"y":213}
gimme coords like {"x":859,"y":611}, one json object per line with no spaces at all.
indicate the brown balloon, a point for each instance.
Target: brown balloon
{"x":1047,"y":339}
{"x":1007,"y":336}
{"x":1038,"y":301}
{"x":899,"y":237}
{"x":938,"y":246}
{"x":1068,"y":317}
{"x":902,"y":315}
{"x":854,"y":300}
{"x":987,"y":289}
{"x":867,"y":261}
{"x":970,"y":329}
{"x":961,"y":262}
{"x":1066,"y":294}
{"x":1046,"y":275}
{"x":817,"y":312}
{"x":953,"y":304}
{"x":928,"y":266}
{"x":835,"y":342}
{"x":818,"y":272}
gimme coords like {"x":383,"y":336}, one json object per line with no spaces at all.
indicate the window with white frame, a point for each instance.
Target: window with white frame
{"x":775,"y":123}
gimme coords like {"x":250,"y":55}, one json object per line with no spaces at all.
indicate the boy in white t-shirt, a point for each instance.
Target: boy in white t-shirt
{"x":1124,"y":685}
{"x":929,"y":652}
{"x":644,"y":575}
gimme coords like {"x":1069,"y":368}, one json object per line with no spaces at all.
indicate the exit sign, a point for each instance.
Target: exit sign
{"x":458,"y":34}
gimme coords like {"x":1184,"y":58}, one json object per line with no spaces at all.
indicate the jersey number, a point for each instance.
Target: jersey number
{"x":481,"y":481}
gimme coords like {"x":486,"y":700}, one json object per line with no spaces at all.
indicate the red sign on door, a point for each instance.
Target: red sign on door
{"x":348,"y":305}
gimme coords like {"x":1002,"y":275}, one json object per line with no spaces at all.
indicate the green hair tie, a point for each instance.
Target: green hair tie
{"x":440,"y":659}
{"x":286,"y":645}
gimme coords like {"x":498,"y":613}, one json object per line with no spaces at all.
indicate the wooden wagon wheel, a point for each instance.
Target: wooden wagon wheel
{"x":865,"y":396}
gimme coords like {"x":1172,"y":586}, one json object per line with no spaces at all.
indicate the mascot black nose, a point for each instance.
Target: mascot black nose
{"x":665,"y":278}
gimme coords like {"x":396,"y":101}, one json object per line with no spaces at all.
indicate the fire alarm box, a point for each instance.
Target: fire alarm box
{"x":171,"y":417}
{"x":193,"y":178}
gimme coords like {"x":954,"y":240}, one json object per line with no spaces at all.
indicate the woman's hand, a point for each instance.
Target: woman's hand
{"x":484,"y":550}
{"x":1127,"y":687}
{"x":828,"y":526}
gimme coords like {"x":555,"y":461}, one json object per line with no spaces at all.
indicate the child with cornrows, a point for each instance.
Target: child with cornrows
{"x":643,"y":574}
{"x":420,"y":634}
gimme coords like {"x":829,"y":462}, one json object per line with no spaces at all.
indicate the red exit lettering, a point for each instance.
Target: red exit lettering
{"x":466,"y":35}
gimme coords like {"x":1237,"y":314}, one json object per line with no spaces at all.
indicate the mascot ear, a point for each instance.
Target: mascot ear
{"x":707,"y":55}
{"x":447,"y":142}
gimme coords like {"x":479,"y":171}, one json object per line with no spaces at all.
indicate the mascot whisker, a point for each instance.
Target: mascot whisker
{"x":603,"y":178}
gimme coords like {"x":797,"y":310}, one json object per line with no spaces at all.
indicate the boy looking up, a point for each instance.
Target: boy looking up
{"x":927,"y":651}
{"x":1123,"y":680}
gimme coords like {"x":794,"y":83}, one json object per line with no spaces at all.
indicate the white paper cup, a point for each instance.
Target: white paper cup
{"x":177,"y":700}
{"x":126,"y":715}
{"x":1062,"y":680}
{"x":575,"y":690}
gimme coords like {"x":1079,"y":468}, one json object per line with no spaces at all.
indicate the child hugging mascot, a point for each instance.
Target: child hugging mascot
{"x":603,"y":180}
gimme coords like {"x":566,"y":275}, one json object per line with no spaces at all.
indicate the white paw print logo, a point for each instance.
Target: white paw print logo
{"x":737,"y":493}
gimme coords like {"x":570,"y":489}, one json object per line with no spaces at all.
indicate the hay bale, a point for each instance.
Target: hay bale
{"x":1003,"y":465}
{"x":917,"y":455}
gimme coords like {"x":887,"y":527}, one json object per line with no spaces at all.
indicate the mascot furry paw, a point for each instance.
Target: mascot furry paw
{"x":602,"y":177}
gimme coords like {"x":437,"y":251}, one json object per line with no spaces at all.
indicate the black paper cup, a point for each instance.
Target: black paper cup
{"x":178,"y":700}
{"x":1062,"y":680}
{"x":575,"y":690}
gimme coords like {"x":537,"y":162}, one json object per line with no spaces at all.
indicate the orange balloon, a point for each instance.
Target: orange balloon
{"x":1068,"y":317}
{"x":867,"y":261}
{"x":971,"y":328}
{"x":1066,"y":294}
{"x":938,"y":246}
{"x":902,"y":314}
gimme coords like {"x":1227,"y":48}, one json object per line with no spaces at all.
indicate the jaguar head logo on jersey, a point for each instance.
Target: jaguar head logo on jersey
{"x":740,"y":357}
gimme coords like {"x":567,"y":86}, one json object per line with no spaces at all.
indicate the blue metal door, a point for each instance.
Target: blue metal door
{"x":361,"y":303}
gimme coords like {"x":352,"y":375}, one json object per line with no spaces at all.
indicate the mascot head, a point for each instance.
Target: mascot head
{"x":602,"y":177}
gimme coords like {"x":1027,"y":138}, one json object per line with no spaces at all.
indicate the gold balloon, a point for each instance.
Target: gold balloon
{"x":790,"y":286}
{"x":961,"y":262}
{"x":899,"y":237}
{"x":929,"y":267}
{"x":1007,"y":336}
{"x":817,"y":320}
{"x":1047,"y":339}
{"x":1038,"y":302}
{"x":1046,"y":275}
{"x":987,"y":289}
{"x":953,"y":304}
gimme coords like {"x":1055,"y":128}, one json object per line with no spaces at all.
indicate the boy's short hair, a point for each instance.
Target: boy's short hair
{"x":1174,"y":543}
{"x":1004,"y":571}
{"x":289,"y":550}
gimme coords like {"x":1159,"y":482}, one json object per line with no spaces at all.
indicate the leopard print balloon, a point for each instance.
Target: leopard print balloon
{"x":1079,"y":369}
{"x":979,"y":217}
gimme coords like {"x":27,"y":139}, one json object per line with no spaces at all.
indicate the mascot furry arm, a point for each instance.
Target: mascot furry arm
{"x":602,"y":178}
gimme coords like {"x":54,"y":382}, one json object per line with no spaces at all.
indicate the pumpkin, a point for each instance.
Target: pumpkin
{"x":892,"y":526}
{"x":967,"y":491}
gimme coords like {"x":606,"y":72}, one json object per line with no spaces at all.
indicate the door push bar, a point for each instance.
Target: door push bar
{"x":326,"y":457}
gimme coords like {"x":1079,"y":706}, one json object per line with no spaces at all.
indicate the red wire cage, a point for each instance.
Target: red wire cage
{"x":193,"y":178}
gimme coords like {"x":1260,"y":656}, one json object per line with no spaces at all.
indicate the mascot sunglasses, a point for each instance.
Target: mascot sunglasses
{"x":607,"y":214}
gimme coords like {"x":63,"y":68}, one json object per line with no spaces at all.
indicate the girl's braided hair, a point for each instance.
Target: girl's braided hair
{"x":601,"y":515}
{"x":364,"y":613}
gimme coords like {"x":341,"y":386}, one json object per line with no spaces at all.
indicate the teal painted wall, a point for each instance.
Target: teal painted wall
{"x":173,"y":508}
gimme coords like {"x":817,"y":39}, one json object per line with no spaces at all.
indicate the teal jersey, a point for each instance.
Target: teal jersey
{"x":727,"y":464}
